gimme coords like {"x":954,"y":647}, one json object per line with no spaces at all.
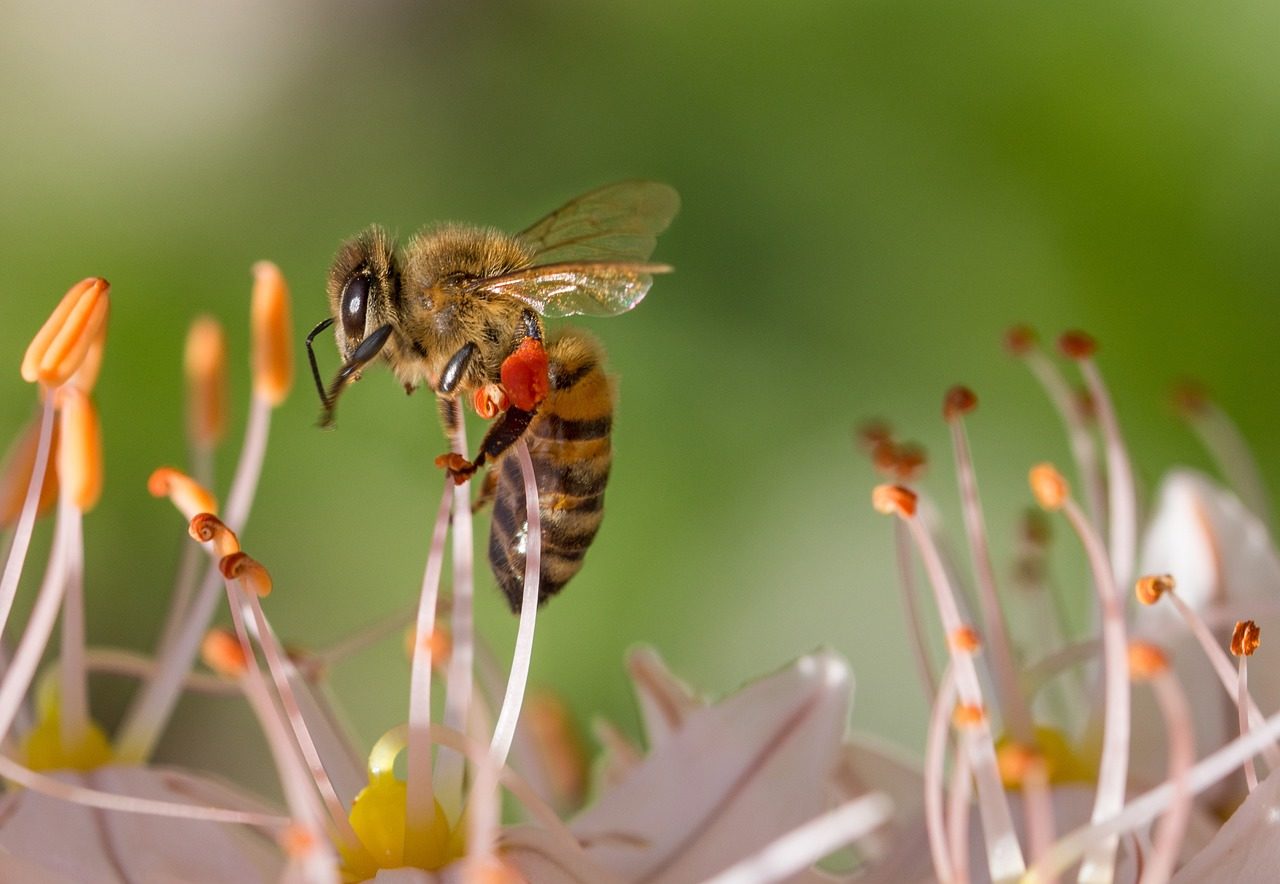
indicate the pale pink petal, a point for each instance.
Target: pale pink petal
{"x":665,"y":701}
{"x":541,"y":858}
{"x":735,"y":776}
{"x":1247,"y":847}
{"x":88,"y":845}
{"x":618,"y":755}
{"x":406,"y":876}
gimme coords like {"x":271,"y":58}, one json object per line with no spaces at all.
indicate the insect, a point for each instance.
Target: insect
{"x":460,"y":310}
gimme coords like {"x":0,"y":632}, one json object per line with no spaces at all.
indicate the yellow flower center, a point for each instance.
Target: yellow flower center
{"x":43,"y":747}
{"x":1062,"y":764}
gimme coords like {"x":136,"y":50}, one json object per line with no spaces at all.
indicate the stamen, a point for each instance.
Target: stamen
{"x":894,"y":500}
{"x":959,"y":801}
{"x":61,"y":344}
{"x":1050,"y":489}
{"x":1244,"y":641}
{"x":272,"y":334}
{"x":222,"y":652}
{"x":26,"y":519}
{"x":79,"y":449}
{"x":1121,"y":493}
{"x":1224,"y":442}
{"x":208,"y":528}
{"x":15,"y":475}
{"x":935,"y":762}
{"x":965,"y":639}
{"x":906,"y":574}
{"x":73,"y":709}
{"x":1150,"y":588}
{"x":246,"y":571}
{"x":1245,"y":638}
{"x":205,"y":365}
{"x":185,"y":493}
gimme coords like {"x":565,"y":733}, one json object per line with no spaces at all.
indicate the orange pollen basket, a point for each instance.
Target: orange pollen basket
{"x":1245,"y":638}
{"x":894,"y":500}
{"x":1150,"y":588}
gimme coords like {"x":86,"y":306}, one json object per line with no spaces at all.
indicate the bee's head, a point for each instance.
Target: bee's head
{"x":364,"y":293}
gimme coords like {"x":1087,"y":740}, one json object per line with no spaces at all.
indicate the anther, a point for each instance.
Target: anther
{"x":1015,"y":761}
{"x":297,"y":841}
{"x":79,"y":449}
{"x":873,"y":433}
{"x":965,"y":639}
{"x":968,"y":715}
{"x":894,"y":500}
{"x":249,"y":571}
{"x":1151,"y":587}
{"x":189,"y":496}
{"x":272,"y":334}
{"x":910,"y":462}
{"x":61,"y":344}
{"x":205,"y":365}
{"x":1190,"y":399}
{"x":15,"y":475}
{"x":1146,"y":661}
{"x":959,"y":401}
{"x":1035,"y":528}
{"x":208,"y":528}
{"x":884,"y":458}
{"x":222,"y":652}
{"x":1049,"y":486}
{"x":1245,"y":638}
{"x":1020,"y":340}
{"x":1077,"y":345}
{"x":439,"y":643}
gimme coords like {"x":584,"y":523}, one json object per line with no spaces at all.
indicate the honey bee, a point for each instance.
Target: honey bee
{"x":460,"y":310}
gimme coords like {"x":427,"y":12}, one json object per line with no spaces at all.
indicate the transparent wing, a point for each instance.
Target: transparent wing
{"x":593,"y":288}
{"x":618,"y":222}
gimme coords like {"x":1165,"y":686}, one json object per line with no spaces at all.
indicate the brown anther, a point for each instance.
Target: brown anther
{"x":79,"y":449}
{"x":872,"y":433}
{"x":272,"y":334}
{"x":967,"y":715}
{"x":189,"y":496}
{"x":965,"y":639}
{"x":222,"y":652}
{"x":1015,"y":761}
{"x":438,"y":642}
{"x":248,"y":571}
{"x":1146,"y":661}
{"x":297,"y":841}
{"x":1020,"y":340}
{"x":1085,"y":407}
{"x":1190,"y":399}
{"x":1150,"y":587}
{"x":204,"y":363}
{"x":894,"y":500}
{"x":1245,"y":638}
{"x":15,"y":474}
{"x":1077,"y":345}
{"x":884,"y":458}
{"x":62,"y":343}
{"x":208,"y":528}
{"x":958,"y":402}
{"x":910,"y":462}
{"x":1049,"y":487}
{"x":1036,"y":530}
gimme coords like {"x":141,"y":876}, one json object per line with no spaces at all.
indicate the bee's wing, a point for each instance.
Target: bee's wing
{"x":618,"y":222}
{"x":594,"y":288}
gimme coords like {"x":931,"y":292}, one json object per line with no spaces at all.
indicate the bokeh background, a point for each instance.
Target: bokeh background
{"x":872,"y":192}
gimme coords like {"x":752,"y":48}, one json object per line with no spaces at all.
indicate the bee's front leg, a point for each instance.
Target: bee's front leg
{"x":501,"y":436}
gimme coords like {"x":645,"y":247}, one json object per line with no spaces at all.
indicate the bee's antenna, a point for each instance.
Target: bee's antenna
{"x":311,"y":354}
{"x":369,"y":348}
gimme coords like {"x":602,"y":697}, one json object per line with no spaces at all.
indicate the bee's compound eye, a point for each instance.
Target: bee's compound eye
{"x":355,"y":302}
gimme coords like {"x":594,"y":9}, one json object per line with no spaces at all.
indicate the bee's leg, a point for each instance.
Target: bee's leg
{"x":524,"y":372}
{"x":501,"y":436}
{"x":456,"y":368}
{"x":487,"y":491}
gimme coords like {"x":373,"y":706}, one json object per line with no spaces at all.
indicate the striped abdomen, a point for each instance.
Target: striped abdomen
{"x":569,"y":443}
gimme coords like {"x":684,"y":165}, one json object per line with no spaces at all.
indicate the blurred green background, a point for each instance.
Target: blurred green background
{"x":872,"y":192}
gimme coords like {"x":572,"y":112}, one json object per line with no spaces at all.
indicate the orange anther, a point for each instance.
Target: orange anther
{"x":86,"y":376}
{"x":967,"y":715}
{"x":1049,"y":487}
{"x":62,"y":343}
{"x":272,"y":334}
{"x":439,"y":643}
{"x":79,"y":449}
{"x":189,"y":496}
{"x":894,"y":500}
{"x":1015,"y":761}
{"x":959,"y":401}
{"x":1146,"y":661}
{"x":884,"y":458}
{"x":204,"y":363}
{"x":297,"y":840}
{"x":1020,"y":340}
{"x":222,"y":652}
{"x":1077,"y":345}
{"x":208,"y":528}
{"x":1245,"y":638}
{"x":910,"y":462}
{"x":248,"y":571}
{"x":15,"y":475}
{"x":1150,"y":587}
{"x":965,"y":639}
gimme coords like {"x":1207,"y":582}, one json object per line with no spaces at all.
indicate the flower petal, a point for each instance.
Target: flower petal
{"x":665,"y":701}
{"x":1247,"y":847}
{"x":733,"y":777}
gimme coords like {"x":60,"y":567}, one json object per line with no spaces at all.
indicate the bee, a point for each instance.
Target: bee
{"x":460,"y":310}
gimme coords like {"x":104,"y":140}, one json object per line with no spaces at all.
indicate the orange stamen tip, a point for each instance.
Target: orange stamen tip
{"x":1245,"y":638}
{"x":1190,"y":399}
{"x":894,"y":500}
{"x":1149,"y":588}
{"x":79,"y":448}
{"x":438,"y":642}
{"x":189,"y":496}
{"x":272,"y":334}
{"x":222,"y":652}
{"x":1085,"y":406}
{"x":965,"y":639}
{"x":15,"y":474}
{"x":1016,"y":761}
{"x":297,"y":841}
{"x":248,"y":570}
{"x":1077,"y":345}
{"x":1049,"y":486}
{"x":62,"y":344}
{"x":959,"y":401}
{"x":489,"y":401}
{"x":1146,"y":661}
{"x":208,"y":528}
{"x":204,"y":362}
{"x":524,"y":375}
{"x":910,"y":462}
{"x":1020,"y":340}
{"x":967,"y":715}
{"x":872,"y":434}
